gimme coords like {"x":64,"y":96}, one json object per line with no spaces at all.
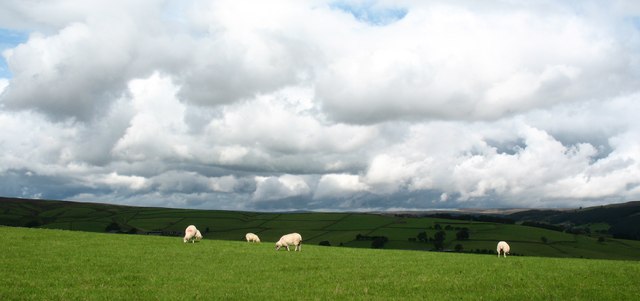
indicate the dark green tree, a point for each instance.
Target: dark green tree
{"x":113,"y":227}
{"x":438,"y":240}
{"x":463,"y":234}
{"x":32,"y":224}
{"x":422,"y":236}
{"x":379,"y":242}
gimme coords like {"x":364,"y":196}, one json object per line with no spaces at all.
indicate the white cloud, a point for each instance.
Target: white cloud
{"x":450,"y":62}
{"x":115,"y":180}
{"x":285,"y":186}
{"x":339,"y":186}
{"x":223,"y":184}
{"x":3,"y":84}
{"x":157,"y":130}
{"x":322,"y":105}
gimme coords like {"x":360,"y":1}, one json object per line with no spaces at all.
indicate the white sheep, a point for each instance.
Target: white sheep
{"x":190,"y":233}
{"x":503,"y":247}
{"x":290,"y":239}
{"x":252,"y":237}
{"x":198,"y":235}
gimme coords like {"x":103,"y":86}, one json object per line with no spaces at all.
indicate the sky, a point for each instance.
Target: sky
{"x":321,"y":105}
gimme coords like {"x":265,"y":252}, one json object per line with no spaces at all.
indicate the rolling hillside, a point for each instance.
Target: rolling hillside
{"x":46,"y":264}
{"x":618,"y":220}
{"x":359,"y":230}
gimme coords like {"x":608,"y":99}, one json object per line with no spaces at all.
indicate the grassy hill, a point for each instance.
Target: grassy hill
{"x":358,"y":230}
{"x":618,"y":220}
{"x":44,"y":264}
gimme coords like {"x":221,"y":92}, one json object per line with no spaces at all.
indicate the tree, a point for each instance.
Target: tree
{"x":32,"y":224}
{"x":544,"y":239}
{"x":458,"y":248}
{"x":438,"y":240}
{"x":325,"y":243}
{"x":463,"y":234}
{"x":113,"y":227}
{"x":437,"y":227}
{"x":422,"y":236}
{"x":379,"y":242}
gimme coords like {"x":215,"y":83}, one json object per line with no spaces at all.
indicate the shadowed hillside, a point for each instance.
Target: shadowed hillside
{"x":459,"y":233}
{"x":618,"y":220}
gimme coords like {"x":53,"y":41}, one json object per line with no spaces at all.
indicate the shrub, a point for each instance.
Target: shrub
{"x":379,"y":242}
{"x":422,"y":236}
{"x":463,"y":234}
{"x":113,"y":227}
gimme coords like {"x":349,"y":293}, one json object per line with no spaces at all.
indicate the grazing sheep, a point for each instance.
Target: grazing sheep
{"x":503,"y":247}
{"x":252,"y":237}
{"x":198,"y":235}
{"x":190,"y":233}
{"x":290,"y":239}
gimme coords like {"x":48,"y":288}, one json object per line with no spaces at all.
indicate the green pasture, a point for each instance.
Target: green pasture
{"x":336,"y":228}
{"x":43,"y":264}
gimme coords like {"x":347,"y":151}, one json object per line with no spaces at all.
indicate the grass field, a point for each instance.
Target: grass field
{"x":43,"y":264}
{"x":339,"y":229}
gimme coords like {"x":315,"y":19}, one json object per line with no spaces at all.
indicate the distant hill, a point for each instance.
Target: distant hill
{"x":583,"y":233}
{"x":616,"y":220}
{"x":623,"y":219}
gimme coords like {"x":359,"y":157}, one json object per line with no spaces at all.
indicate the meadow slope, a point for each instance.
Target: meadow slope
{"x":357,"y":230}
{"x":42,"y":264}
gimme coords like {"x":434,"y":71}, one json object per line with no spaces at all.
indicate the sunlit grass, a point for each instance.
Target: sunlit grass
{"x":69,"y":265}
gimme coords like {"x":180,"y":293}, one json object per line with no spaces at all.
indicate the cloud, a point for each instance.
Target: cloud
{"x":357,"y":105}
{"x":339,"y":186}
{"x":157,"y":129}
{"x":282,"y":187}
{"x":452,"y":63}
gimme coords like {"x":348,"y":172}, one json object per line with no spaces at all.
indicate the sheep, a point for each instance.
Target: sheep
{"x":190,"y":233}
{"x":503,"y":247}
{"x":290,"y":239}
{"x":198,"y":235}
{"x":252,"y":237}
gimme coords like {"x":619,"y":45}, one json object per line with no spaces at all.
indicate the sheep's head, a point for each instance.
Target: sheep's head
{"x":257,"y":239}
{"x":278,"y":245}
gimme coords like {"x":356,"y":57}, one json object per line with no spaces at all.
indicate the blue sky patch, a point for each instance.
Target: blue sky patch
{"x":369,"y":12}
{"x":9,"y":39}
{"x":635,"y":21}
